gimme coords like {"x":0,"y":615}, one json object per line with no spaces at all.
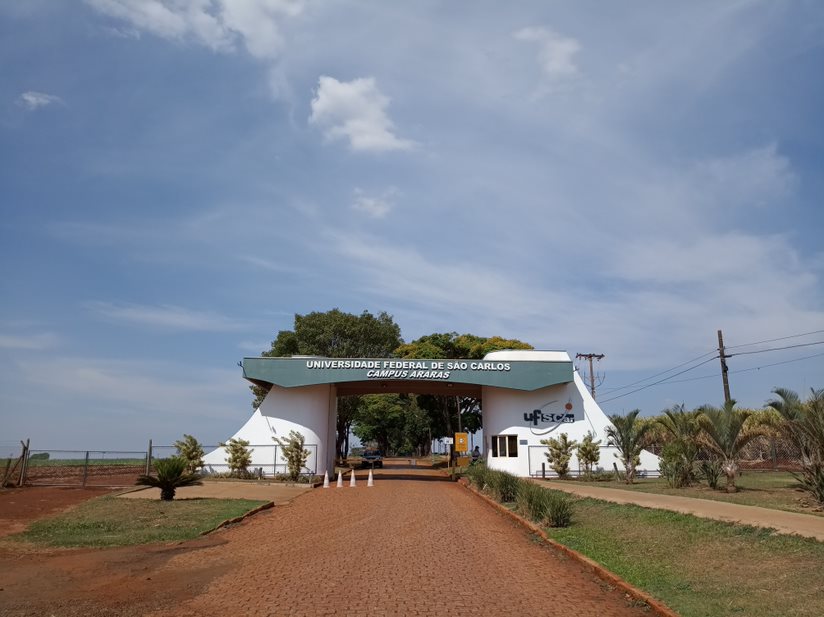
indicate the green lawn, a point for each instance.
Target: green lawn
{"x":769,"y":489}
{"x":701,"y":568}
{"x":109,"y":521}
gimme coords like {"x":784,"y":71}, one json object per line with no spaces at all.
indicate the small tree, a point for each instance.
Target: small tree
{"x":679,"y":455}
{"x":239,"y":457}
{"x":725,"y":432}
{"x":294,"y":453}
{"x":589,"y":452}
{"x":627,"y":435}
{"x":190,"y":450}
{"x":171,"y":475}
{"x":560,"y":453}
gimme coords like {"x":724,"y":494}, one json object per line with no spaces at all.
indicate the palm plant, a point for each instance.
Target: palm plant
{"x":171,"y":475}
{"x":725,"y":432}
{"x":682,"y":427}
{"x":627,"y":434}
{"x":803,"y":424}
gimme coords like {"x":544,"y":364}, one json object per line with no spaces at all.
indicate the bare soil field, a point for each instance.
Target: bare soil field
{"x":21,"y":506}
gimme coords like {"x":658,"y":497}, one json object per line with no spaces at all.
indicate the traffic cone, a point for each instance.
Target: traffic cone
{"x":370,"y":482}
{"x":326,"y":480}
{"x":340,"y":479}
{"x":352,"y":479}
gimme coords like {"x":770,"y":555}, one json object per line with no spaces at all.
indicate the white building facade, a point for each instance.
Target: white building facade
{"x":526,"y":397}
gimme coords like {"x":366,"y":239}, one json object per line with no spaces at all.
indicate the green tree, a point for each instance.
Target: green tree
{"x":683,"y":431}
{"x":446,"y":413}
{"x":335,"y":334}
{"x":803,"y":424}
{"x":589,"y":452}
{"x":381,"y":420}
{"x":725,"y":432}
{"x":190,"y":450}
{"x":171,"y":475}
{"x":560,"y":453}
{"x":238,"y":457}
{"x":627,"y":435}
{"x":294,"y":453}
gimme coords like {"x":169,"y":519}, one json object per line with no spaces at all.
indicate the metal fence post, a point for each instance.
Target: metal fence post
{"x":543,"y":470}
{"x":149,"y":458}
{"x":86,"y":469}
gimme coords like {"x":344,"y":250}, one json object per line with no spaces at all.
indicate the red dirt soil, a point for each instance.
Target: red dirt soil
{"x":21,"y":506}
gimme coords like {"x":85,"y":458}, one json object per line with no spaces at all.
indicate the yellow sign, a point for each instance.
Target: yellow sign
{"x":461,"y":442}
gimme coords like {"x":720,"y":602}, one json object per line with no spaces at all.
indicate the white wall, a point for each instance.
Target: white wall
{"x":304,"y":409}
{"x":503,"y":414}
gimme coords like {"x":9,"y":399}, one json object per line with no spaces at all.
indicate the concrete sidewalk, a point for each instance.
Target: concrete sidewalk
{"x":794,"y":523}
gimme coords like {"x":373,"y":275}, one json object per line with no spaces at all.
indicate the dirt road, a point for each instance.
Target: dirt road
{"x":414,"y":544}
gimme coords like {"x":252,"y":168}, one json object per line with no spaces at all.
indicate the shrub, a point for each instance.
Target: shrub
{"x":239,"y":457}
{"x":710,"y":471}
{"x":589,"y":453}
{"x":674,"y":466}
{"x":543,"y":506}
{"x":560,"y":453}
{"x":503,"y":485}
{"x":559,"y":509}
{"x":478,"y":475}
{"x":190,"y":450}
{"x":294,"y":453}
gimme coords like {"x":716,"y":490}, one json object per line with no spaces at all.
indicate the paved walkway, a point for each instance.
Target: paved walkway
{"x":414,"y":544}
{"x":784,"y":522}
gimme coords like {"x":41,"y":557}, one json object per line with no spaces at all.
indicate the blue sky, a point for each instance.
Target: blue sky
{"x":181,"y":177}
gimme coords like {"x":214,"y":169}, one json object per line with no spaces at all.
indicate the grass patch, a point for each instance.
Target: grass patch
{"x":775,"y":490}
{"x":109,"y":521}
{"x":701,"y":567}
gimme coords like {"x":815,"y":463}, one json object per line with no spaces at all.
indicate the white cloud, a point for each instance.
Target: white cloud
{"x":376,"y":206}
{"x":355,"y":110}
{"x":556,"y":52}
{"x":34,"y":342}
{"x":217,"y":24}
{"x":166,"y":316}
{"x":35,"y":100}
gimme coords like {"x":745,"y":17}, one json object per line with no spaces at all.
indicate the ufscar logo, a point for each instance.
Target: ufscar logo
{"x":538,"y":415}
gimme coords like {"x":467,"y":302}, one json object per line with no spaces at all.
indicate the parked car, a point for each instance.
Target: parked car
{"x":372,"y":458}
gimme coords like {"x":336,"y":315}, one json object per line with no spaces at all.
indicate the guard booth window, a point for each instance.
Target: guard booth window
{"x":505,"y":445}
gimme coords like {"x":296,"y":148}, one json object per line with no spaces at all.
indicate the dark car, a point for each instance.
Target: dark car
{"x":372,"y":458}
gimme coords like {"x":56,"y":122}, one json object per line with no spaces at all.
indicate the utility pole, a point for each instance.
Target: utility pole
{"x":590,"y":357}
{"x":724,"y":370}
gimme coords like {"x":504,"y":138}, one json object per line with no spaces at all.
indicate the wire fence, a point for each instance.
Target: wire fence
{"x":121,"y":468}
{"x":267,"y":460}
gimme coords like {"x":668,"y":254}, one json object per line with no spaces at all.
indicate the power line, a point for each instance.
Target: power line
{"x":746,"y":353}
{"x":655,"y":383}
{"x":752,"y":368}
{"x":773,"y":340}
{"x":629,"y":385}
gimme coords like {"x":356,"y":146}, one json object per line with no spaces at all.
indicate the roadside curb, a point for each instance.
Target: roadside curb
{"x":231,"y":521}
{"x":658,"y":607}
